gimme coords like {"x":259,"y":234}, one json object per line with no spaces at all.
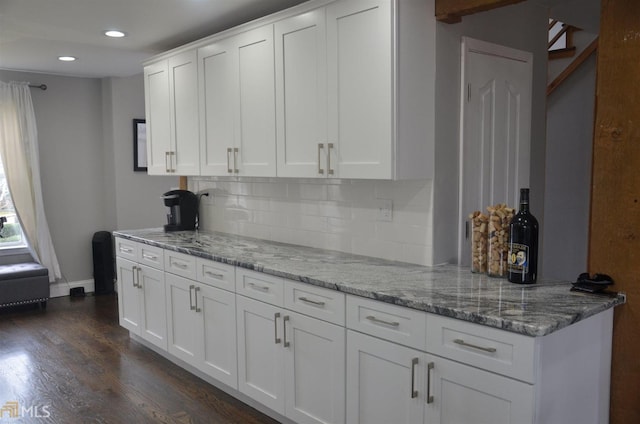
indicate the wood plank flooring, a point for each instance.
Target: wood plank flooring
{"x":73,"y":363}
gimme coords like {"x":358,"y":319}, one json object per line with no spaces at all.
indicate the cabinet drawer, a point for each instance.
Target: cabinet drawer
{"x":216,"y":274}
{"x":127,"y":249}
{"x":259,"y":286}
{"x":180,"y":264}
{"x":495,"y":350}
{"x":391,"y":322}
{"x":151,"y":256}
{"x":317,"y":302}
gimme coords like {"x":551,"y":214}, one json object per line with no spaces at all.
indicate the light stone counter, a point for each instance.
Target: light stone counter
{"x":533,"y":310}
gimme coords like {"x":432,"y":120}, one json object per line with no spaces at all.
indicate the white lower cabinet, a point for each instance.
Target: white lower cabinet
{"x":141,"y":301}
{"x":387,"y":382}
{"x":201,"y":328}
{"x":291,"y":363}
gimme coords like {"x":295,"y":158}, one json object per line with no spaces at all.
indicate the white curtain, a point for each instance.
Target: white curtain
{"x":19,"y":153}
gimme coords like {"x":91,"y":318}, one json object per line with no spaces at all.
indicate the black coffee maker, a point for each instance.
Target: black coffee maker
{"x":183,"y":209}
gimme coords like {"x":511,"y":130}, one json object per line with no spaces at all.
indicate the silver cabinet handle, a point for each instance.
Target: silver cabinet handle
{"x":313,"y":302}
{"x":172,"y":159}
{"x":191,"y":306}
{"x":381,"y":321}
{"x":329,"y":169}
{"x":126,"y":249}
{"x":195,"y":292}
{"x":484,"y":349}
{"x":235,"y":160}
{"x":148,"y":256}
{"x":414,"y":392}
{"x":229,"y":150}
{"x":166,"y":162}
{"x":134,"y":274}
{"x":275,"y":326}
{"x":214,"y":275}
{"x":138,"y":271}
{"x":257,"y":287}
{"x":179,"y":265}
{"x":430,"y":366}
{"x":284,"y":330}
{"x":320,"y":147}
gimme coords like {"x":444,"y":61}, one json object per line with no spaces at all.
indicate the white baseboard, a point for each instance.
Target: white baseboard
{"x":61,"y":288}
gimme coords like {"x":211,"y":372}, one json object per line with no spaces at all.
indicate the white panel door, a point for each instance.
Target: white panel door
{"x":158,"y":121}
{"x":260,"y":352}
{"x":301,"y":95}
{"x":496,"y":126}
{"x":218,"y":101}
{"x":153,"y":323}
{"x":314,"y":370}
{"x":184,"y":325}
{"x":467,"y":395}
{"x":384,"y":382}
{"x":219,"y":354}
{"x":128,"y":295}
{"x":183,"y":71}
{"x":256,"y":124}
{"x":360,"y":88}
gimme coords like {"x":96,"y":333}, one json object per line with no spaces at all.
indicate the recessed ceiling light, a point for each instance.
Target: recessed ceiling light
{"x":66,"y":58}
{"x":114,"y":33}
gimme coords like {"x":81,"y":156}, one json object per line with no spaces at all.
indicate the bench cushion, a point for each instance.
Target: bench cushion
{"x":24,"y":270}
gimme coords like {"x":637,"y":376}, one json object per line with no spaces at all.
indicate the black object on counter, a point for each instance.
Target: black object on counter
{"x":522,"y":262}
{"x":183,"y":209}
{"x":596,"y":283}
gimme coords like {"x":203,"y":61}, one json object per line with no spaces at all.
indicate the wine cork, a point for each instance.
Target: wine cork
{"x":498,"y":239}
{"x":479,"y":227}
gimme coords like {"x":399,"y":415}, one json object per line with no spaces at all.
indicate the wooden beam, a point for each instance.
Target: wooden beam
{"x":183,"y":183}
{"x":452,"y":11}
{"x":614,"y":235}
{"x":573,"y":66}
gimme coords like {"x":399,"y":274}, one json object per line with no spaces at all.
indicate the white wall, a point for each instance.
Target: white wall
{"x":568,"y":174}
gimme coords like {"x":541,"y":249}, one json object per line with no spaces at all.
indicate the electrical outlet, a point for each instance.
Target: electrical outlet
{"x":385,"y":210}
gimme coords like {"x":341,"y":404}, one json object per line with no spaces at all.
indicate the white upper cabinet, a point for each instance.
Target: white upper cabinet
{"x":171,"y":100}
{"x":301,"y":95}
{"x":360,"y":82}
{"x":237,"y":108}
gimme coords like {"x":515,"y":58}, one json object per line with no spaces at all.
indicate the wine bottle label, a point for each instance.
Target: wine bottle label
{"x":518,"y":260}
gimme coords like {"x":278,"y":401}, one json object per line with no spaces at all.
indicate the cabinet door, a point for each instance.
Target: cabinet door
{"x":185,"y":154}
{"x":314,"y":370}
{"x":360,"y":87}
{"x":128,"y":295}
{"x":158,"y":121}
{"x":218,"y":101}
{"x":256,"y":123}
{"x":153,"y":322}
{"x":184,"y":324}
{"x":218,"y":312}
{"x":301,"y":95}
{"x":488,"y":398}
{"x":381,"y":380}
{"x":260,"y":352}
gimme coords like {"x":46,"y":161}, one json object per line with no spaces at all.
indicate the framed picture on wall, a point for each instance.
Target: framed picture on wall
{"x":139,"y":145}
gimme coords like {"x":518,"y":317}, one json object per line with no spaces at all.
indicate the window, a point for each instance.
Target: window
{"x":11,"y":234}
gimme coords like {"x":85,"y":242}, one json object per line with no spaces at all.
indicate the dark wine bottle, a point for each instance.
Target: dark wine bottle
{"x":522,"y":262}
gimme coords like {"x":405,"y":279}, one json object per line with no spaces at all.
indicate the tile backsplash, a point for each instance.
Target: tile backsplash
{"x":340,"y":215}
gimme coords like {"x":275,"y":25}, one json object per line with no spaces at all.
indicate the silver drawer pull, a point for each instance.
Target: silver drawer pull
{"x":257,"y":287}
{"x":381,"y":321}
{"x":313,"y":302}
{"x":214,"y":275}
{"x":126,"y":249}
{"x":148,"y":256}
{"x":179,"y":265}
{"x":485,"y":349}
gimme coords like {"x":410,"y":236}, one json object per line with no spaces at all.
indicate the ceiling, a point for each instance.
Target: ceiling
{"x":33,"y":33}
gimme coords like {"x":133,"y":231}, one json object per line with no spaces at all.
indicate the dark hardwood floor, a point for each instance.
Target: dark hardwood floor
{"x":73,"y":363}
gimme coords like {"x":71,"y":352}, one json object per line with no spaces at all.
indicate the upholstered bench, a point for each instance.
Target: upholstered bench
{"x":24,"y":283}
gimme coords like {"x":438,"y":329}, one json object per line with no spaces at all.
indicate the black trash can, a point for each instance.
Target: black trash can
{"x":103,"y":267}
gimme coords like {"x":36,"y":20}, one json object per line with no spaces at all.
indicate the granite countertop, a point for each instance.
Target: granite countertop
{"x":448,"y":290}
